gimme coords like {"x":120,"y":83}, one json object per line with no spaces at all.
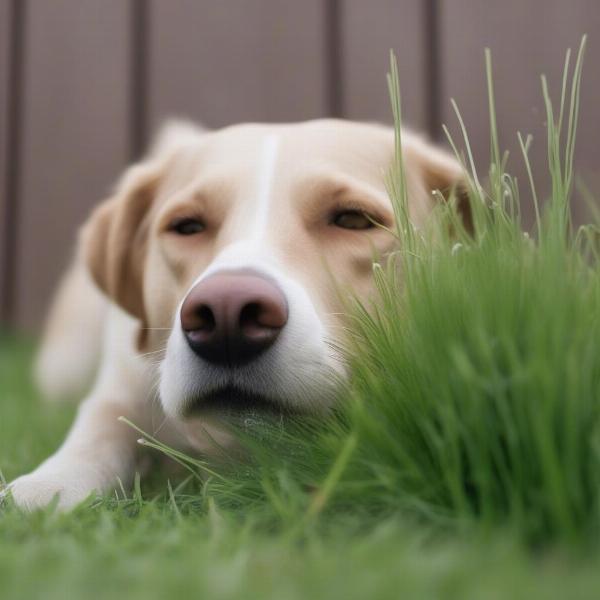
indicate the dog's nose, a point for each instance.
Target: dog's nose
{"x":230,"y":318}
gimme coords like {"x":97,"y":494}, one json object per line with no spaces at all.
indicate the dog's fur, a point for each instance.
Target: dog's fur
{"x":268,"y":196}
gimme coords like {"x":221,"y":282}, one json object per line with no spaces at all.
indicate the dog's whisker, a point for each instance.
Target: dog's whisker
{"x":153,"y":352}
{"x":158,"y":429}
{"x":157,"y":355}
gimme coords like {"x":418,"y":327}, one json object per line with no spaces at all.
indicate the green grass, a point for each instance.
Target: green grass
{"x":144,"y":547}
{"x":463,"y":462}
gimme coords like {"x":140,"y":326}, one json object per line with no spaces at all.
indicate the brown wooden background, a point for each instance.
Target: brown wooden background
{"x":83,"y":83}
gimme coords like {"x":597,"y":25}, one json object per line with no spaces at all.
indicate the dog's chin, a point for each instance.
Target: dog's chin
{"x":237,"y":407}
{"x":213,"y":422}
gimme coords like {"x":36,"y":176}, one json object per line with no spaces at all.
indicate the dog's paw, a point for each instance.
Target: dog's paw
{"x":41,"y":488}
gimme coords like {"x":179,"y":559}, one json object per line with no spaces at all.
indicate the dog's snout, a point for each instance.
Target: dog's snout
{"x":230,"y":318}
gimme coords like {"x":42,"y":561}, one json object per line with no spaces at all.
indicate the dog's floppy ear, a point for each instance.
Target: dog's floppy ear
{"x":115,"y":238}
{"x":438,"y":170}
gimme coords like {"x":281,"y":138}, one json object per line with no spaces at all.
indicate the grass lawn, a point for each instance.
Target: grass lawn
{"x":464,"y":461}
{"x":144,"y":548}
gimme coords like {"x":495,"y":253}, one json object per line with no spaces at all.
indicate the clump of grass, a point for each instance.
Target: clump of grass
{"x":474,"y":399}
{"x":477,"y":381}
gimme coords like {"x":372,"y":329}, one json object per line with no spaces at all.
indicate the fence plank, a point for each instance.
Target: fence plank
{"x":75,"y":133}
{"x":5,"y":46}
{"x":526,"y":39}
{"x":225,"y":62}
{"x":368,"y":31}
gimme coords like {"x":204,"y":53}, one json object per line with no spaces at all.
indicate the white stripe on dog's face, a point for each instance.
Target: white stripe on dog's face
{"x":250,"y":246}
{"x":269,"y":198}
{"x":268,"y":161}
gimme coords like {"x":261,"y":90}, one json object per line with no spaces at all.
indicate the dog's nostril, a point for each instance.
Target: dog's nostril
{"x":260,"y":320}
{"x":206,"y":319}
{"x":250,"y":326}
{"x":249,"y":314}
{"x":199,"y":327}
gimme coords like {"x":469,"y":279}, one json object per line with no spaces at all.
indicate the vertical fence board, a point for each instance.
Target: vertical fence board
{"x":526,"y":39}
{"x":75,"y":133}
{"x":368,"y":31}
{"x":5,"y":47}
{"x":225,"y":62}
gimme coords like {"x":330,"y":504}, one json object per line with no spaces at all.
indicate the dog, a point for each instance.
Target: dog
{"x":213,"y":283}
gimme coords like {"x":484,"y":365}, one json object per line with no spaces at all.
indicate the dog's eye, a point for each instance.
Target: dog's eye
{"x":187,"y":226}
{"x":352,"y":219}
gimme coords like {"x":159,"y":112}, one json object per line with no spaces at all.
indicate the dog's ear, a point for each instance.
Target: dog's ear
{"x":438,"y":170}
{"x":115,"y":238}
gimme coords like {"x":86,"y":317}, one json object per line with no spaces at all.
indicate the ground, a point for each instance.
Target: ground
{"x":147,"y":547}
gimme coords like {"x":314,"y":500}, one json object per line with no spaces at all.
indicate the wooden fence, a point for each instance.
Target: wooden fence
{"x":83,"y":83}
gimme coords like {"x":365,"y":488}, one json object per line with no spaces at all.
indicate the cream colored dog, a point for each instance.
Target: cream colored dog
{"x":208,"y":285}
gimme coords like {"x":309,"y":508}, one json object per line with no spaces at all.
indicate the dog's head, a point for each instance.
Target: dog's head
{"x":231,"y":247}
